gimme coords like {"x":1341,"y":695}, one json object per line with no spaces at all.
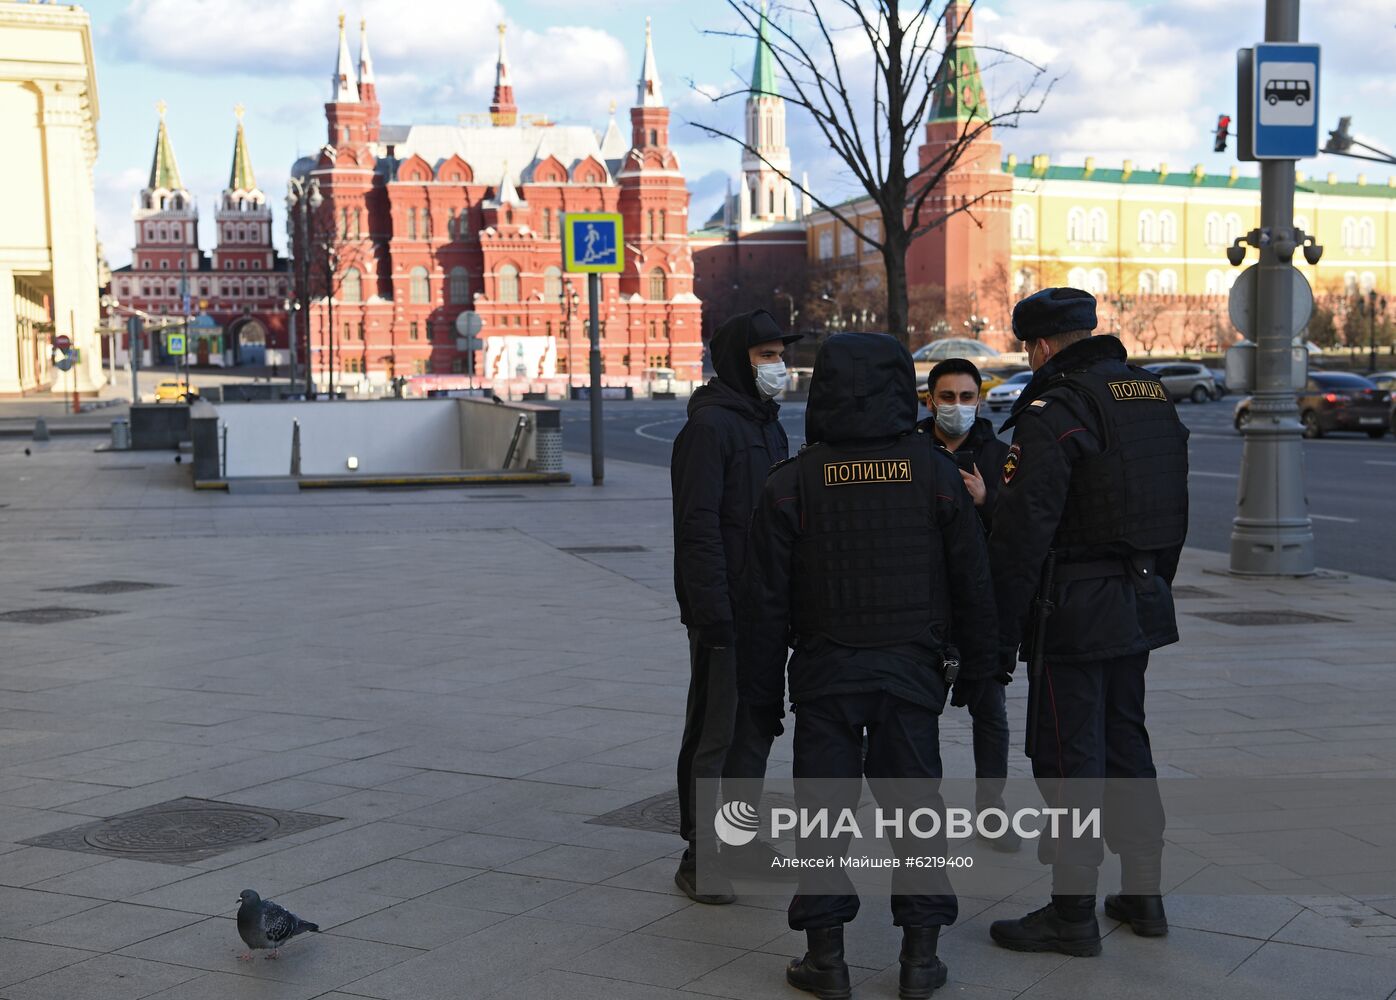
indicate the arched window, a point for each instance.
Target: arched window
{"x":1167,"y":228}
{"x":1366,"y":234}
{"x":451,"y":224}
{"x":755,"y":205}
{"x":1024,"y":224}
{"x":649,"y":223}
{"x":826,"y":244}
{"x":420,"y":290}
{"x":547,"y":223}
{"x":1076,"y":225}
{"x":1233,"y":227}
{"x":552,"y":285}
{"x":1100,"y":226}
{"x":663,"y":222}
{"x":1148,"y":283}
{"x":658,"y":286}
{"x":1367,"y":282}
{"x":1212,"y":231}
{"x":1100,"y":283}
{"x":411,"y":223}
{"x":1216,"y":283}
{"x":771,"y":201}
{"x":458,"y":286}
{"x":1349,"y":238}
{"x":1078,"y":278}
{"x":1350,"y":283}
{"x":426,"y":223}
{"x":164,"y":234}
{"x":1146,"y":229}
{"x":508,"y":283}
{"x":351,"y":289}
{"x":1168,"y":282}
{"x":654,"y":137}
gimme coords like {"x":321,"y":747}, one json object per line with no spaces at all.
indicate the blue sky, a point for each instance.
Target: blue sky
{"x":1137,"y":79}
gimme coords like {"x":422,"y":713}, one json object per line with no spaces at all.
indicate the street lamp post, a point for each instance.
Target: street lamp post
{"x":1370,"y":307}
{"x":794,"y":313}
{"x":573,"y":306}
{"x":303,"y":200}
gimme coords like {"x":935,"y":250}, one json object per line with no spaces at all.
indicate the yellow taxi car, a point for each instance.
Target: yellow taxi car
{"x":174,"y":391}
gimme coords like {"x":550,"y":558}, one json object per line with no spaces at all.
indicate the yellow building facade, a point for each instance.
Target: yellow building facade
{"x":1151,"y":244}
{"x":1122,"y":230}
{"x":48,"y":237}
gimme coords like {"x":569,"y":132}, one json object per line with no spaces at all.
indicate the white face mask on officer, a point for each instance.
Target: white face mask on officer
{"x":954,"y":419}
{"x":771,"y":379}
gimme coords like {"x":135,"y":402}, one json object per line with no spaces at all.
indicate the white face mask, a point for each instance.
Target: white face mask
{"x":771,"y":378}
{"x":954,"y":420}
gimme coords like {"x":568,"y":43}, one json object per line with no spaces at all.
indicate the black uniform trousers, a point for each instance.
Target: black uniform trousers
{"x":988,"y":711}
{"x":1090,"y":727}
{"x":719,"y":741}
{"x":903,"y":742}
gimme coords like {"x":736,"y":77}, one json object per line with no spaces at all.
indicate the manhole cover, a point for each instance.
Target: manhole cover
{"x":1265,"y":618}
{"x":109,"y":587}
{"x":1185,"y":591}
{"x":49,"y":616}
{"x":660,"y":813}
{"x":596,"y":550}
{"x":180,"y":831}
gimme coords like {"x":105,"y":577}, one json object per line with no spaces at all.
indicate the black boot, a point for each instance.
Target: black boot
{"x":1139,"y":903}
{"x":1048,"y":930}
{"x":822,"y":971}
{"x":922,"y":972}
{"x":686,"y":878}
{"x":1144,"y":914}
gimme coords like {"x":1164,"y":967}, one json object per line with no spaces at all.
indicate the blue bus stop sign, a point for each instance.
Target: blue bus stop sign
{"x":1284,"y":96}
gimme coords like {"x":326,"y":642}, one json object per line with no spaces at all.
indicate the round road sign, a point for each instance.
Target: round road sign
{"x":1241,"y":304}
{"x":468,"y":324}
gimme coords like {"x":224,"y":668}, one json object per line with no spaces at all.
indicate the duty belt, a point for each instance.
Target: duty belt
{"x":1142,"y":563}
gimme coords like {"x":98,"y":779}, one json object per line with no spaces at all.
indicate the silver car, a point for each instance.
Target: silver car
{"x":1007,"y":393}
{"x":1186,"y":380}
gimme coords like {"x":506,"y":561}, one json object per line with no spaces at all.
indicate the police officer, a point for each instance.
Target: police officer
{"x":845,"y":565}
{"x":720,"y":460}
{"x":1093,"y":496}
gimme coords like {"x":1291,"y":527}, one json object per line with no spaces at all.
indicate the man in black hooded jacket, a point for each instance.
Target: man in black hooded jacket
{"x":865,"y":554}
{"x":721,"y":457}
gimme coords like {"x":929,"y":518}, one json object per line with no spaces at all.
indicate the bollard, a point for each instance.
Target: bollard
{"x":40,"y":429}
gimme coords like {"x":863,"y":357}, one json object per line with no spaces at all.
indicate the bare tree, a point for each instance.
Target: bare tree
{"x":909,"y":45}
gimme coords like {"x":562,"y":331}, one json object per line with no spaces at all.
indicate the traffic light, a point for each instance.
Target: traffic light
{"x":1340,"y":139}
{"x":1223,"y":126}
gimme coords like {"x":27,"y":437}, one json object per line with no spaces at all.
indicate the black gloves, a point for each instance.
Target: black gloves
{"x":766,"y":719}
{"x":968,"y":689}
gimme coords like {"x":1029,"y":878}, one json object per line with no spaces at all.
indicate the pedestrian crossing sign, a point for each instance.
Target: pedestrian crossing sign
{"x":174,"y":343}
{"x":592,"y":243}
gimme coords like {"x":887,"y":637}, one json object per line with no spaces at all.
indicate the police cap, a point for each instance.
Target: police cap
{"x":1053,"y":311}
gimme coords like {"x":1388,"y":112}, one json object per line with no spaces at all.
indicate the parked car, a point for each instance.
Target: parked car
{"x":1186,"y":380}
{"x":1219,"y":377}
{"x":1384,"y":380}
{"x":174,"y":391}
{"x":1007,"y":393}
{"x":926,"y":356}
{"x":1336,"y":401}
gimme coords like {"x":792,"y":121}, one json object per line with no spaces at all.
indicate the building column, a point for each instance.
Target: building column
{"x":72,"y":227}
{"x":9,"y":336}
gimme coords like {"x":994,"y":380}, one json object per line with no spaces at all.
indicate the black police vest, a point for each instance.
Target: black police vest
{"x":868,"y":544}
{"x":1135,"y":491}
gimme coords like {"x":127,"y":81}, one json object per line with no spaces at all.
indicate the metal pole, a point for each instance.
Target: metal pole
{"x":598,"y":459}
{"x":1272,"y":534}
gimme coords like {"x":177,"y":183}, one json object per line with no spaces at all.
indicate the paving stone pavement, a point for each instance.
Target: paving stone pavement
{"x":432,"y":668}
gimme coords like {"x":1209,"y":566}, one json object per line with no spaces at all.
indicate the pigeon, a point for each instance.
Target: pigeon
{"x":264,"y":924}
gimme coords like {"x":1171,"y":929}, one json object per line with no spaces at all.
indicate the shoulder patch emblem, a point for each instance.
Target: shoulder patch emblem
{"x":1038,"y":402}
{"x":1137,"y":389}
{"x":1010,"y":464}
